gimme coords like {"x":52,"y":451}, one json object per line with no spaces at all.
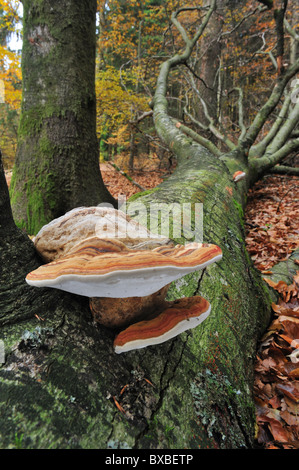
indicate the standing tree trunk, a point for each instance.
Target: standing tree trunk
{"x":209,"y":66}
{"x":57,"y":161}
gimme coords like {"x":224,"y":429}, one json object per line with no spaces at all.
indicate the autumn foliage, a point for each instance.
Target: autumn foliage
{"x":10,"y":81}
{"x":277,"y":373}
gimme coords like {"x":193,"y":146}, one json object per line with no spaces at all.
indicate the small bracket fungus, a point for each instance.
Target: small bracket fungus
{"x":180,"y":316}
{"x":238,"y":176}
{"x":126,"y":276}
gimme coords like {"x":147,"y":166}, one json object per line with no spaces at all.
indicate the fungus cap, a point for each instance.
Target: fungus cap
{"x":239,"y":175}
{"x":57,"y":238}
{"x":182,"y":315}
{"x":107,"y":268}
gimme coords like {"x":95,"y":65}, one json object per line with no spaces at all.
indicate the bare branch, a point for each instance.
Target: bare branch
{"x":211,"y":126}
{"x":191,"y":42}
{"x":198,"y":138}
{"x":198,"y":77}
{"x":291,"y":31}
{"x":258,"y":149}
{"x":164,"y":125}
{"x":284,"y":170}
{"x":285,"y":130}
{"x":141,"y":117}
{"x":245,"y":17}
{"x":268,"y":161}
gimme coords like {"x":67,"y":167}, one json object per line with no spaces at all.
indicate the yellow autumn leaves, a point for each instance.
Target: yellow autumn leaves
{"x":10,"y":81}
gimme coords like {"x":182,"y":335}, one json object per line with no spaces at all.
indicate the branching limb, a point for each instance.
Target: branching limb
{"x":241,"y":113}
{"x":259,"y":149}
{"x":164,"y":124}
{"x":211,"y":126}
{"x":141,"y":117}
{"x":269,"y":161}
{"x":291,"y":31}
{"x":284,"y":170}
{"x":269,"y":106}
{"x":245,"y":17}
{"x":269,"y":53}
{"x":198,"y":138}
{"x":285,"y":131}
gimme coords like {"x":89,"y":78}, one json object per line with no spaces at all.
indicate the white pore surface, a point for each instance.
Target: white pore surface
{"x":120,"y":284}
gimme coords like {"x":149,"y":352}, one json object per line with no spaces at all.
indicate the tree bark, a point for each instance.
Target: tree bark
{"x":57,"y":161}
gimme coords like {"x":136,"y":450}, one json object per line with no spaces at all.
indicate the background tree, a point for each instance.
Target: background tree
{"x":57,"y":162}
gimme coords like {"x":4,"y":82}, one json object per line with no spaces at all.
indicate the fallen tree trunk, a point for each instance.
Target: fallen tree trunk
{"x":61,"y":385}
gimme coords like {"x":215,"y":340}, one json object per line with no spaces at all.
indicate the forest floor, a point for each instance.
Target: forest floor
{"x":272,"y":234}
{"x":272,"y":221}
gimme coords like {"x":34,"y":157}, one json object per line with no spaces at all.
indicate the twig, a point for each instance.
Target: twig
{"x":126,"y":176}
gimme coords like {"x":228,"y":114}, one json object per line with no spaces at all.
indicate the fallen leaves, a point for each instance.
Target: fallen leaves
{"x":286,"y":291}
{"x":119,"y":185}
{"x":276,"y":386}
{"x":272,"y":220}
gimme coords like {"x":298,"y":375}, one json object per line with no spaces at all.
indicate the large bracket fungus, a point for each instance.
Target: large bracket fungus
{"x":125,"y":270}
{"x":55,"y":239}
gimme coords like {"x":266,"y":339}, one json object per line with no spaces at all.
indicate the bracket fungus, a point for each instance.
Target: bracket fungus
{"x":177,"y":317}
{"x":238,"y":176}
{"x":126,"y":277}
{"x":56,"y":238}
{"x":107,"y":268}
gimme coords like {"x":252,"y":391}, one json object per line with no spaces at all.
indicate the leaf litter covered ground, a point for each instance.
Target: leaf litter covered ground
{"x":122,"y":182}
{"x":272,"y":221}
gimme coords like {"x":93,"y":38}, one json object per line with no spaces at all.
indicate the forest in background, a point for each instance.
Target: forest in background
{"x":133,"y":39}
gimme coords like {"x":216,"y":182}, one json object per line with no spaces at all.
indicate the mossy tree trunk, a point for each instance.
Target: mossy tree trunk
{"x":57,"y":161}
